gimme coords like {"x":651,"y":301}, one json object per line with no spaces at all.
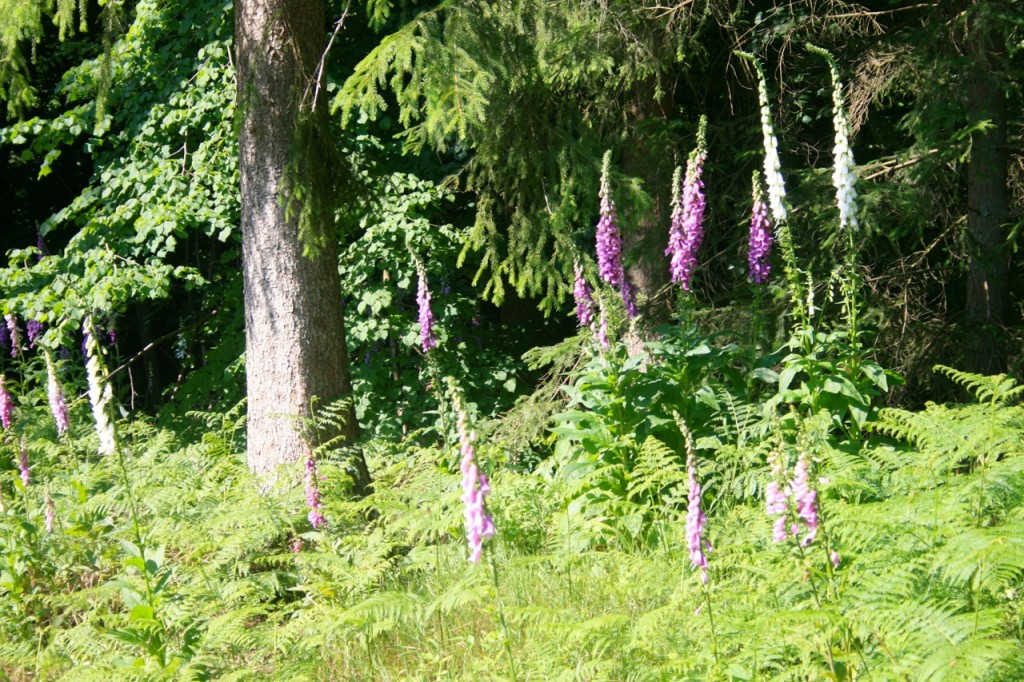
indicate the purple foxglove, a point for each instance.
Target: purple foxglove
{"x":628,"y":298}
{"x":315,"y":515}
{"x":58,"y":406}
{"x":602,"y":331}
{"x":609,"y":240}
{"x":100,"y":393}
{"x":793,"y":501}
{"x":776,"y":497}
{"x":760,"y":237}
{"x":50,"y":513}
{"x":475,"y":487}
{"x":695,"y":519}
{"x":12,"y":329}
{"x":427,"y":340}
{"x":688,"y":204}
{"x":33,"y":330}
{"x":6,"y":405}
{"x":806,"y":499}
{"x":23,"y":464}
{"x":584,"y":299}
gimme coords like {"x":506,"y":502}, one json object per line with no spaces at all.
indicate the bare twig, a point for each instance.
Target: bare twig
{"x":338,"y":25}
{"x":904,"y":164}
{"x":157,"y":341}
{"x":861,"y":14}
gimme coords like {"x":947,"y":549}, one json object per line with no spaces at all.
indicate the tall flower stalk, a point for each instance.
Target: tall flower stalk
{"x":628,"y":297}
{"x":777,"y":193}
{"x":609,"y":239}
{"x":696,"y":522}
{"x":426,"y":316}
{"x":602,"y":330}
{"x":760,"y":244}
{"x":55,"y":396}
{"x":6,"y":405}
{"x":312,"y":481}
{"x":609,"y":243}
{"x":584,"y":298}
{"x":100,"y":393}
{"x":50,"y":512}
{"x":688,"y":205}
{"x":772,"y":165}
{"x":844,"y":179}
{"x":15,"y":336}
{"x":695,"y":518}
{"x":23,"y":464}
{"x":792,"y":500}
{"x":475,"y":487}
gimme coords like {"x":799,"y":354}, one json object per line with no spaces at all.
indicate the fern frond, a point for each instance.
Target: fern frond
{"x":986,"y":559}
{"x":996,"y":389}
{"x":658,"y":475}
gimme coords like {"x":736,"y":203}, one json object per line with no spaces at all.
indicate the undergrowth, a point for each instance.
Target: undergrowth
{"x":915,"y":573}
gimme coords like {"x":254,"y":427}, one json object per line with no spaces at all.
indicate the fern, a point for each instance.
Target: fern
{"x":997,"y":389}
{"x":658,"y":476}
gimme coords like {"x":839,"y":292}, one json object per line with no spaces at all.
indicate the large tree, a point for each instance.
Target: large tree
{"x":295,"y":338}
{"x":988,"y":207}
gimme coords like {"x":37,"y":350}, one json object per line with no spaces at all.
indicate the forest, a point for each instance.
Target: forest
{"x":398,"y":340}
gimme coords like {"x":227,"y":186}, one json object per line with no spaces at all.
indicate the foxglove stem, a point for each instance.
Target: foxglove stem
{"x":100,"y":393}
{"x":843,"y":177}
{"x":760,"y":236}
{"x":23,"y":464}
{"x":772,"y":165}
{"x":12,"y":329}
{"x":49,"y":513}
{"x":427,"y":339}
{"x":609,"y":240}
{"x":792,"y":500}
{"x":475,"y":488}
{"x":584,"y":298}
{"x":58,"y":407}
{"x":312,"y":480}
{"x":777,"y":193}
{"x":602,"y":330}
{"x":6,"y":405}
{"x":687,"y":229}
{"x":806,"y":498}
{"x":629,"y":298}
{"x":501,"y":619}
{"x":695,"y":519}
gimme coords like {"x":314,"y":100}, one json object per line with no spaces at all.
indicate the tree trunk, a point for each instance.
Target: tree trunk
{"x":647,"y":266}
{"x":295,"y":349}
{"x":988,"y":292}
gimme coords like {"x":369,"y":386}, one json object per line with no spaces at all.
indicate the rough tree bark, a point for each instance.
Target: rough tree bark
{"x":647,"y":265}
{"x":295,"y":339}
{"x":988,"y":289}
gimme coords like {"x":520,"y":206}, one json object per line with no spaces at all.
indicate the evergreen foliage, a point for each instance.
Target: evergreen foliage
{"x":495,"y":84}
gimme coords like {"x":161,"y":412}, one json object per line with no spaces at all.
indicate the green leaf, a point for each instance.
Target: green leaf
{"x":142,"y":612}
